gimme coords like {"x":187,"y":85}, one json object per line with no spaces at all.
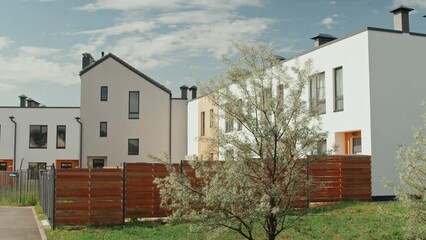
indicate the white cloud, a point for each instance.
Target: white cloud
{"x":32,"y":64}
{"x":127,"y":5}
{"x":5,"y":42}
{"x":332,"y":2}
{"x":410,"y":3}
{"x":328,"y":22}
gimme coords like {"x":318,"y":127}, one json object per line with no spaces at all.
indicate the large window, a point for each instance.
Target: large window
{"x":317,"y":93}
{"x":203,"y":123}
{"x":133,"y":146}
{"x":34,"y":168}
{"x":104,"y":93}
{"x":103,"y":129}
{"x":134,"y":105}
{"x":60,"y":136}
{"x":338,"y":89}
{"x":38,"y":136}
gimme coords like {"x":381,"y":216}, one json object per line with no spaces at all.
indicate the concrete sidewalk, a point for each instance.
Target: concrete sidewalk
{"x":19,"y":223}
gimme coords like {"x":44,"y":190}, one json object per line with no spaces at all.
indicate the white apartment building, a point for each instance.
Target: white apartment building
{"x":34,"y":137}
{"x":370,"y":86}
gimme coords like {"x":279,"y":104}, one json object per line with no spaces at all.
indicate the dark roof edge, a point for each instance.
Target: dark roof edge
{"x":39,"y":107}
{"x":179,"y":99}
{"x":130,"y":67}
{"x":353,"y":34}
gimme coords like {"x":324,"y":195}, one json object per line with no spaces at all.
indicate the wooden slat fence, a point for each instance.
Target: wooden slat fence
{"x":109,"y":196}
{"x":88,"y":196}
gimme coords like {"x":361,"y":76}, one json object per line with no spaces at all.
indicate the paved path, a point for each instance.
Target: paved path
{"x":18,"y":223}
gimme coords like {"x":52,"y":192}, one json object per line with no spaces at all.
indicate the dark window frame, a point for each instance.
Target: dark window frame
{"x":40,"y":137}
{"x":57,"y":136}
{"x":98,"y":161}
{"x":203,"y":123}
{"x":65,"y":165}
{"x":336,"y":97}
{"x":317,"y":103}
{"x":101,"y":132}
{"x":129,"y":152}
{"x":134,"y":115}
{"x":104,"y":98}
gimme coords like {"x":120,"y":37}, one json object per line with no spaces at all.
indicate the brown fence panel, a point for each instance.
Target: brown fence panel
{"x":88,"y":196}
{"x":356,"y":171}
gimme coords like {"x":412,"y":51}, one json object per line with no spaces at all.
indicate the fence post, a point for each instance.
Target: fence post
{"x":54,"y":197}
{"x":308,"y":192}
{"x":124,"y":194}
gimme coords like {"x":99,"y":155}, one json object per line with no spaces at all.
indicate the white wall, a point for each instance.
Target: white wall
{"x":152,"y":128}
{"x":24,"y":117}
{"x":352,"y":55}
{"x":192,"y":138}
{"x":398,"y":86}
{"x":179,"y":129}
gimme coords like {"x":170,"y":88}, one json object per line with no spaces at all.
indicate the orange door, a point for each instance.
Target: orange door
{"x":349,"y":138}
{"x":6,"y":165}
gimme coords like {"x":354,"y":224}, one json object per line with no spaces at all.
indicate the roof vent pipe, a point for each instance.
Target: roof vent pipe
{"x":322,"y":38}
{"x":184,"y":92}
{"x":23,"y":102}
{"x":401,"y":19}
{"x":193,"y":89}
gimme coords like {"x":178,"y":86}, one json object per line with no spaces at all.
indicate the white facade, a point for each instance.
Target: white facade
{"x":152,"y":127}
{"x":383,"y":89}
{"x":39,"y":116}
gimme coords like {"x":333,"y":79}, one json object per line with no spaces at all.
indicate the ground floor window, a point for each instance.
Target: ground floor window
{"x":66,"y":165}
{"x":34,"y":168}
{"x":3,"y":166}
{"x":98,"y":163}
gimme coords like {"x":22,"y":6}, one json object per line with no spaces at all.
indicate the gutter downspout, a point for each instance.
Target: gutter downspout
{"x":81,"y":140}
{"x":14,"y":143}
{"x":170,"y":129}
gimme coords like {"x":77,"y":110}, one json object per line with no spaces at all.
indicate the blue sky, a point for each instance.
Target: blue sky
{"x":175,"y":42}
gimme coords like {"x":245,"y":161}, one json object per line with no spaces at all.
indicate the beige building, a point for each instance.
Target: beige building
{"x":127,"y":116}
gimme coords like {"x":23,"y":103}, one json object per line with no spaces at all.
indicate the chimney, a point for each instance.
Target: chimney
{"x":322,"y":38}
{"x":32,"y":103}
{"x":193,"y":89}
{"x":87,"y":60}
{"x":22,"y":99}
{"x":401,"y":19}
{"x":184,"y":92}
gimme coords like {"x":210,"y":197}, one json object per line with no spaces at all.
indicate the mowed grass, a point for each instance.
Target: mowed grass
{"x":347,"y":220}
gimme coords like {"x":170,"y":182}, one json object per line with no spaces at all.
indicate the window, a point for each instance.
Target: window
{"x":356,"y":145}
{"x":134,"y":105}
{"x":66,"y":165}
{"x":322,"y":147}
{"x":229,"y":124}
{"x":133,"y":147}
{"x":317,"y":93}
{"x":280,"y":91}
{"x":338,"y":89}
{"x":3,"y":166}
{"x":60,"y":136}
{"x":211,"y":118}
{"x":34,"y":168}
{"x":103,"y":129}
{"x":98,"y":163}
{"x":104,"y":93}
{"x":203,"y":121}
{"x":38,"y":136}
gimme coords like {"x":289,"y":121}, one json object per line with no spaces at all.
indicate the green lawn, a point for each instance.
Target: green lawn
{"x":348,"y":220}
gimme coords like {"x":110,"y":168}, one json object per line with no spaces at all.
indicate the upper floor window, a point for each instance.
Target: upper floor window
{"x":211,"y":118}
{"x":134,"y":105}
{"x":103,"y":129}
{"x":104,"y":93}
{"x":317,"y":92}
{"x":133,"y":146}
{"x":38,"y":136}
{"x":338,"y":89}
{"x":229,"y":124}
{"x":203,"y":123}
{"x":60,"y":136}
